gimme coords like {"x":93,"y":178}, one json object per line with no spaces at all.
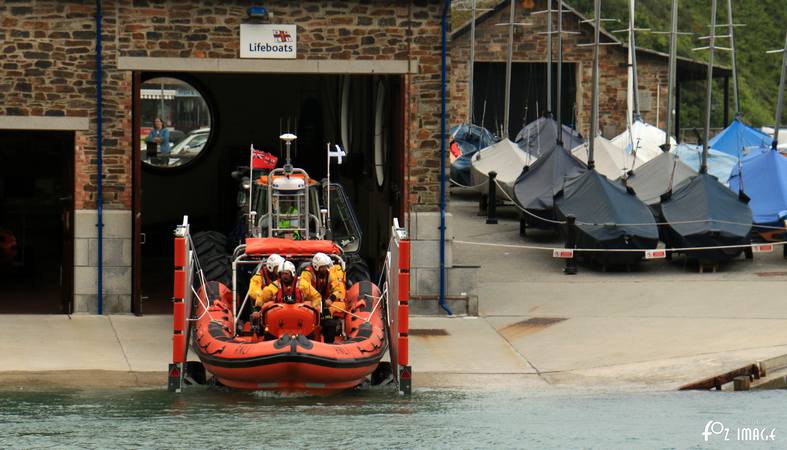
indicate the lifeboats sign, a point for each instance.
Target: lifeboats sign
{"x":268,"y":41}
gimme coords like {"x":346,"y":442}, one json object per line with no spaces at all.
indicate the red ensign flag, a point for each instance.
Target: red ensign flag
{"x":262,"y":160}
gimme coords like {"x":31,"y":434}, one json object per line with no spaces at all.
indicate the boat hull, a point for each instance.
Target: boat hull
{"x":294,"y":360}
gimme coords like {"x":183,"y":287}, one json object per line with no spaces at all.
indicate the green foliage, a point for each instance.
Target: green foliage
{"x":758,"y":73}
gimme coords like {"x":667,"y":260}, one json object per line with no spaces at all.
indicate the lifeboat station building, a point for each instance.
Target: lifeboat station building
{"x":529,"y":63}
{"x":88,"y":205}
{"x":82,"y":84}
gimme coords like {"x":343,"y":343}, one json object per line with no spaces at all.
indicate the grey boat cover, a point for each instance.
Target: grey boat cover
{"x":710,"y":206}
{"x":606,"y":211}
{"x":610,"y":160}
{"x":658,"y":176}
{"x":540,"y":136}
{"x":536,"y":187}
{"x":503,"y":157}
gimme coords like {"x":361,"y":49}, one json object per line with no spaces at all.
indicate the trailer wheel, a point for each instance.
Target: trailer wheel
{"x":357,"y":270}
{"x":210,"y":247}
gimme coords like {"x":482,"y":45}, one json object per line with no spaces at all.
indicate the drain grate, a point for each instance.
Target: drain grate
{"x":530,"y":326}
{"x":427,"y":332}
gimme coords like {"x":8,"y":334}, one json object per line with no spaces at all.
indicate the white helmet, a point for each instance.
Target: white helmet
{"x":287,"y":266}
{"x":321,"y":260}
{"x":273,"y":262}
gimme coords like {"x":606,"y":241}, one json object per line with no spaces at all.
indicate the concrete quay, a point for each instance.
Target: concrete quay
{"x":656,"y":328}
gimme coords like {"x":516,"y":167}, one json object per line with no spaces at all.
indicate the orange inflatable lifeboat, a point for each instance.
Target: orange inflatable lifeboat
{"x":290,"y":355}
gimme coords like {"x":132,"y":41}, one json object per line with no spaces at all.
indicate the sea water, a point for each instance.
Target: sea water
{"x":431,"y":418}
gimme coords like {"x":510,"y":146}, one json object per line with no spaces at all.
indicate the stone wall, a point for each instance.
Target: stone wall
{"x":531,"y":46}
{"x":49,"y":66}
{"x":49,"y":69}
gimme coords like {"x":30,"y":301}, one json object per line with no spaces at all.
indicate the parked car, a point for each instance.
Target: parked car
{"x":189,"y":147}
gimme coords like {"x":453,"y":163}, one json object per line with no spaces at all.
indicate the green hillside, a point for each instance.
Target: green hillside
{"x":766,"y":25}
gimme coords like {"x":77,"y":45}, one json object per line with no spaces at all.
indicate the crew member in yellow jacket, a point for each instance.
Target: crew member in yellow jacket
{"x":329,"y":280}
{"x":268,"y":273}
{"x":287,"y":289}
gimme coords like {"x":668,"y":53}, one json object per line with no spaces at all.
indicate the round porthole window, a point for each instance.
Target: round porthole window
{"x":175,"y":123}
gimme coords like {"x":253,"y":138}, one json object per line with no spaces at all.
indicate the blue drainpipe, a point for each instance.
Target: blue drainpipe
{"x":99,"y":158}
{"x":446,"y":7}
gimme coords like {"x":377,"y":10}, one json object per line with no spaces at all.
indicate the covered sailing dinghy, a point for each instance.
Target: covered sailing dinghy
{"x":647,"y":140}
{"x":665,"y":170}
{"x":762,"y":176}
{"x":608,"y":215}
{"x":658,"y":176}
{"x":610,"y":160}
{"x":720,"y":164}
{"x":701,"y":212}
{"x":466,"y":141}
{"x":537,"y":185}
{"x":640,"y":138}
{"x":540,"y":136}
{"x":506,"y":159}
{"x":737,"y":138}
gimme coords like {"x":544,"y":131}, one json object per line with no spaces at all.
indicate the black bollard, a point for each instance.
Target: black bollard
{"x":571,"y":242}
{"x":491,"y":202}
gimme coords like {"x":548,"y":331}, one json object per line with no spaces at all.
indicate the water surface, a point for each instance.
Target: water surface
{"x":431,"y":418}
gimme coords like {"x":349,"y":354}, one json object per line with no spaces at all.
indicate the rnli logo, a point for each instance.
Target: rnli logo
{"x":282,"y":36}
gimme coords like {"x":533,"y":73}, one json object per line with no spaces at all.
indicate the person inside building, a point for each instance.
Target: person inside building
{"x":158,"y":139}
{"x":329,"y":280}
{"x":267,"y":275}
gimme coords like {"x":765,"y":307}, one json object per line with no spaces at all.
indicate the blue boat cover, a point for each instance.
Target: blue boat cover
{"x":764,"y":180}
{"x":737,"y":137}
{"x":719,"y":164}
{"x":470,"y":139}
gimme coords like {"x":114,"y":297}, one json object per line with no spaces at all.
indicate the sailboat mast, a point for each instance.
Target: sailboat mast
{"x":548,"y":112}
{"x":635,"y":115}
{"x":472,"y":67}
{"x":730,"y":30}
{"x":709,"y":91}
{"x":559,"y":71}
{"x":594,"y":102}
{"x":507,"y":106}
{"x":780,"y":100}
{"x":673,"y":47}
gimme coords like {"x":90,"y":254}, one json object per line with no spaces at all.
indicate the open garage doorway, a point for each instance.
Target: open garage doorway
{"x":528,"y":94}
{"x":362,"y":113}
{"x":36,"y":221}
